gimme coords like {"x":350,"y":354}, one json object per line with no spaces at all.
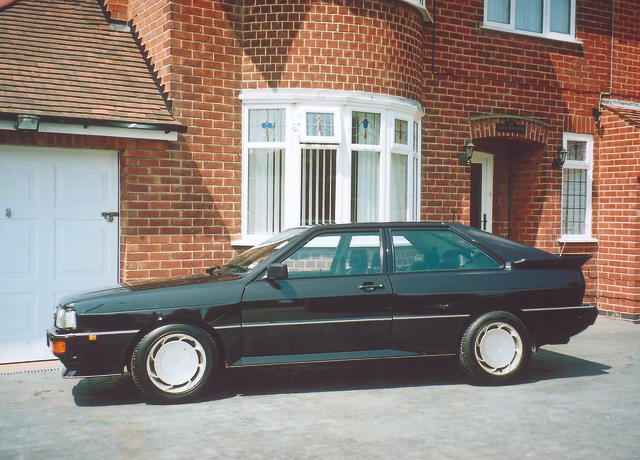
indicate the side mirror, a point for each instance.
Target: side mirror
{"x":277,"y":272}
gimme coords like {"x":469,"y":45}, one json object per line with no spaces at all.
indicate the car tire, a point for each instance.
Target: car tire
{"x":174,"y":363}
{"x":495,"y":349}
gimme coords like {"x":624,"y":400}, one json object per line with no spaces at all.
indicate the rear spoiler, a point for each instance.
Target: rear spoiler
{"x":566,"y":261}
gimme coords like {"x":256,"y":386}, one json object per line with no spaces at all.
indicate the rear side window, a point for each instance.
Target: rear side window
{"x":424,"y":250}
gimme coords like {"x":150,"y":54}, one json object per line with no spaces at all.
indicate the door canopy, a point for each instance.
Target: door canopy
{"x":509,"y":127}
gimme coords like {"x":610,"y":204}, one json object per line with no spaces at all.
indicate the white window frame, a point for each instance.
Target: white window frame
{"x":546,"y":22}
{"x":297,"y":103}
{"x":586,"y":165}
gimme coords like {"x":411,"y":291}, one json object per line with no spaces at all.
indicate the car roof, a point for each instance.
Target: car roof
{"x":506,"y":249}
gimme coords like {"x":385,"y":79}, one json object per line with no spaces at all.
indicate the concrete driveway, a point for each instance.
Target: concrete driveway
{"x":580,"y":400}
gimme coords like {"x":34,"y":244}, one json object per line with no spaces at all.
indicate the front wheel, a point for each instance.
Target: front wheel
{"x":495,"y":348}
{"x":174,"y":363}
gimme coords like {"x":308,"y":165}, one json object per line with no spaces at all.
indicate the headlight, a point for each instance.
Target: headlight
{"x":65,"y":318}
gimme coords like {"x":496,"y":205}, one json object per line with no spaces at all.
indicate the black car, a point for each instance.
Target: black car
{"x":326,"y":293}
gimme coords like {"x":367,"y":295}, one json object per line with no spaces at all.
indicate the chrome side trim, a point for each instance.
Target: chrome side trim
{"x":314,"y":322}
{"x":402,"y":317}
{"x":277,"y":360}
{"x":228,"y":326}
{"x":577,"y":307}
{"x":86,"y":334}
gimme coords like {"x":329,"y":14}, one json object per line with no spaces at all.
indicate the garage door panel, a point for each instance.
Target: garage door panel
{"x":82,"y":187}
{"x":18,"y":247}
{"x":18,"y":182}
{"x":75,"y":239}
{"x":18,"y":311}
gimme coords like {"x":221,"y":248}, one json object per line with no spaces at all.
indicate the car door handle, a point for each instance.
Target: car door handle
{"x":370,"y":286}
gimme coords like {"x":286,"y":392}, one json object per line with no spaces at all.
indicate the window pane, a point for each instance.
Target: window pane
{"x":576,"y":150}
{"x":560,"y":16}
{"x":365,"y":168}
{"x":266,"y":125}
{"x":499,"y":11}
{"x":365,"y":128}
{"x":574,"y":201}
{"x":420,"y":250}
{"x":416,"y":137}
{"x":401,"y":135}
{"x":529,"y":15}
{"x":359,"y":253}
{"x":318,"y":192}
{"x":265,"y":196}
{"x":320,"y":124}
{"x":398,"y":192}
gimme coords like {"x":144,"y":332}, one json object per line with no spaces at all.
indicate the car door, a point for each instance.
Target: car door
{"x":336,"y":299}
{"x":439,"y":279}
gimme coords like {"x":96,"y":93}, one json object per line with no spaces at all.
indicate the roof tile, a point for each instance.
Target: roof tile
{"x":61,"y":59}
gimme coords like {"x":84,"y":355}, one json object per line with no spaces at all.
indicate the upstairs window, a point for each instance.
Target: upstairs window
{"x":576,"y":187}
{"x":546,"y":18}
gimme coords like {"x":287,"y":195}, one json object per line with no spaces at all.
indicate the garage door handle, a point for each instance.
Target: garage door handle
{"x":108,"y":216}
{"x":369,"y":286}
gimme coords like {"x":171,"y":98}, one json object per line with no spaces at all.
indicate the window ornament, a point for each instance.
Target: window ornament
{"x":267,"y":125}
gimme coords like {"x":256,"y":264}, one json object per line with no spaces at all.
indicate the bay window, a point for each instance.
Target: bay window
{"x":318,"y":157}
{"x":546,"y":18}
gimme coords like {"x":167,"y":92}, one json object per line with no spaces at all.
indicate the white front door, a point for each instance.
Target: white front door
{"x":53,"y":239}
{"x":481,"y":203}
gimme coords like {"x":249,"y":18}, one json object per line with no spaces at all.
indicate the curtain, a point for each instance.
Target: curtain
{"x":560,"y":16}
{"x":264,"y":200}
{"x":365,"y":167}
{"x":499,"y":11}
{"x":529,"y":15}
{"x":398,"y":190}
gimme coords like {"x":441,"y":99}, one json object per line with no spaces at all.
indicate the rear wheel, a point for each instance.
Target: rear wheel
{"x":174,"y":363}
{"x":495,"y":348}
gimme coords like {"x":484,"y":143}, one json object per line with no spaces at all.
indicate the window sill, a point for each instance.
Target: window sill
{"x":577,"y":239}
{"x":249,"y":240}
{"x":570,"y":40}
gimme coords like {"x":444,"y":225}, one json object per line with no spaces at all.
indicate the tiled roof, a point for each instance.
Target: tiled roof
{"x":629,"y":114}
{"x":60,"y":60}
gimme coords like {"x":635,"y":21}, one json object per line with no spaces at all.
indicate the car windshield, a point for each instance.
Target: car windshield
{"x":252,"y":257}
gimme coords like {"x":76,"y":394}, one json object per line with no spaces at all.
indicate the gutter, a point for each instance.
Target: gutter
{"x":87,"y":127}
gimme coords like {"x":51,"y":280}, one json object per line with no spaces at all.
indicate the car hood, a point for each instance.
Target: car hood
{"x":197,"y":290}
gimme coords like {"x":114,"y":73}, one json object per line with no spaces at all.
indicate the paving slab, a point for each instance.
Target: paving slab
{"x":580,"y":400}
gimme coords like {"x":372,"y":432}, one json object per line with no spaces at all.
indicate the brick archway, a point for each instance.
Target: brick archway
{"x":511,"y":127}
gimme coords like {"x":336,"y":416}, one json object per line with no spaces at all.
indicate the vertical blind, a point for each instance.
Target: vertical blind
{"x":318,"y":191}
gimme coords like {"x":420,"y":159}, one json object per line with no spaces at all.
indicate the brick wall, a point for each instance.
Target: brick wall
{"x":180,"y":205}
{"x":373,"y":46}
{"x":618,"y":185}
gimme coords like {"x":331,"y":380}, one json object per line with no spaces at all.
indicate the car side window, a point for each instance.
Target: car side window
{"x":336,"y":254}
{"x":422,"y":250}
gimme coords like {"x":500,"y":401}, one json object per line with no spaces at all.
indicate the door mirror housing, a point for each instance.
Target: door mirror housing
{"x":277,"y":272}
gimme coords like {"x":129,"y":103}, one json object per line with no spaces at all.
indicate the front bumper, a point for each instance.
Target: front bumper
{"x":91,"y":354}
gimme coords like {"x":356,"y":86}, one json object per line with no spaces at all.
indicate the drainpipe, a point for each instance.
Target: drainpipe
{"x":611,"y":51}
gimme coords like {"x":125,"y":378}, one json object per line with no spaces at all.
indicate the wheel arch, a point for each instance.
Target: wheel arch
{"x":175,"y":320}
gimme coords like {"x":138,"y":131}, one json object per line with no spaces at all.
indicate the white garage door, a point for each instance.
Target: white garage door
{"x":53,"y":239}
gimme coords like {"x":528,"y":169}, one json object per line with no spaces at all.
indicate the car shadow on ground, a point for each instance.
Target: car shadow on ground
{"x":395,"y":373}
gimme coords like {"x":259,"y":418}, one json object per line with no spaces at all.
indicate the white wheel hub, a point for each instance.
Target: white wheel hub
{"x":498,"y":348}
{"x":176,"y":363}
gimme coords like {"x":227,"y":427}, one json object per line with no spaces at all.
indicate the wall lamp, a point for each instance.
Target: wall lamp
{"x":28,"y":123}
{"x":560,"y":158}
{"x":465,"y":157}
